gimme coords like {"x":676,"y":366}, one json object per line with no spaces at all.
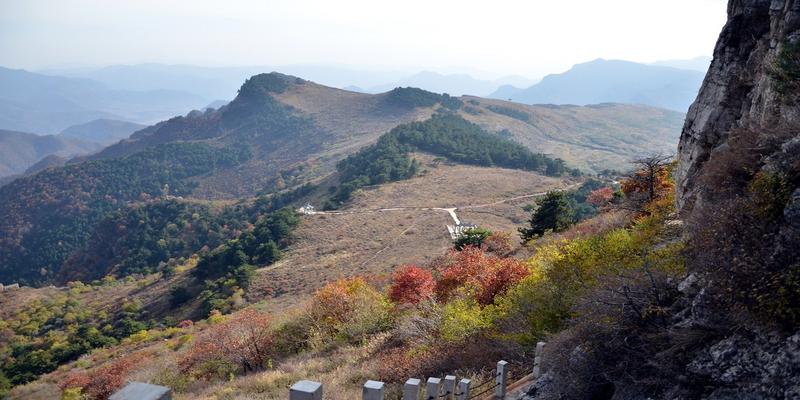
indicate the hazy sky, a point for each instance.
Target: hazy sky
{"x":525,"y":37}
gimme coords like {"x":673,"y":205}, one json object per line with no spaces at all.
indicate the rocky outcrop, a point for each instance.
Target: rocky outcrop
{"x":732,"y":328}
{"x":738,"y":91}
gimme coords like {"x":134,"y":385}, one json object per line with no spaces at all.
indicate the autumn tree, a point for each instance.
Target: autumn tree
{"x":601,"y":197}
{"x":498,"y":243}
{"x":348,"y":310}
{"x":411,"y":284}
{"x":650,"y":181}
{"x":244,"y":342}
{"x":554,"y":212}
{"x":483,"y":275}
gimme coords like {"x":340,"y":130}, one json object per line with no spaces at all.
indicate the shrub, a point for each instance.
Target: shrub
{"x":471,"y":237}
{"x":105,"y":380}
{"x":601,"y":197}
{"x":411,"y":284}
{"x":461,"y":318}
{"x":565,"y":271}
{"x":241,"y":343}
{"x":347,"y":311}
{"x":179,"y":295}
{"x":480,"y":275}
{"x":498,"y":243}
{"x":785,"y":72}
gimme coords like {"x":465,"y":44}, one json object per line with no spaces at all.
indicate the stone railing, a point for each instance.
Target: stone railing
{"x":449,"y":388}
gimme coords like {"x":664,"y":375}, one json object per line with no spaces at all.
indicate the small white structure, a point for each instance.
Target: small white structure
{"x":307,"y":209}
{"x":456,"y":231}
{"x":142,"y":391}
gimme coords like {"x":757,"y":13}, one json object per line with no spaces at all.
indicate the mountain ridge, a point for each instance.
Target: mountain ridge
{"x":617,"y":81}
{"x":20,"y":150}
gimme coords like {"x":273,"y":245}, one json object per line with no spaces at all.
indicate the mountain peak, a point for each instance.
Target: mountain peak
{"x":273,"y":82}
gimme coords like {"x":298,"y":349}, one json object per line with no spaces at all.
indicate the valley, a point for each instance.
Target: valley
{"x":401,"y":202}
{"x":360,"y":239}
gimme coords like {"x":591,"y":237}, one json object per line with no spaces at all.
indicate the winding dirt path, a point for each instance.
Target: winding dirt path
{"x":450,"y":210}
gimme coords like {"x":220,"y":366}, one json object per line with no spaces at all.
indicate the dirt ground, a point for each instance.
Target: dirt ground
{"x":364,"y":240}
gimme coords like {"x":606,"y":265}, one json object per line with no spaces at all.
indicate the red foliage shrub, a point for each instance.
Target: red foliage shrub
{"x":498,"y":243}
{"x":411,"y":284}
{"x":186,"y":324}
{"x":74,"y":379}
{"x":243,"y":341}
{"x":106,"y":380}
{"x":487,"y":275}
{"x":397,"y":364}
{"x":601,"y":197}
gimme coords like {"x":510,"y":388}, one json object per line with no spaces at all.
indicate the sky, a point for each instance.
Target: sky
{"x":489,"y":37}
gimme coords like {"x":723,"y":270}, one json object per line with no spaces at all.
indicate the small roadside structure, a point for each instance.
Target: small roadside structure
{"x":142,"y":391}
{"x":307,"y":209}
{"x":456,"y":231}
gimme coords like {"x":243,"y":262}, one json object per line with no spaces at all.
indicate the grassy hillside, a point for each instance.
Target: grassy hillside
{"x":593,"y":138}
{"x":281,"y":132}
{"x":341,"y":308}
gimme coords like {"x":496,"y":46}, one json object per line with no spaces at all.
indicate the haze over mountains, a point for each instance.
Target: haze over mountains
{"x":48,"y":104}
{"x":19,"y":150}
{"x":615,"y":81}
{"x":283,"y":131}
{"x":108,"y":104}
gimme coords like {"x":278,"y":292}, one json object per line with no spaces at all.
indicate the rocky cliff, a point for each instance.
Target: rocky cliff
{"x":730,"y":323}
{"x":739,"y":91}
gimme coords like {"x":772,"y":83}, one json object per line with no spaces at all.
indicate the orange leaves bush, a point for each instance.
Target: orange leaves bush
{"x":348,"y":310}
{"x":601,"y":197}
{"x":103,"y":381}
{"x":186,"y":324}
{"x":75,"y":379}
{"x":411,"y":284}
{"x":484,"y":275}
{"x":243,"y":343}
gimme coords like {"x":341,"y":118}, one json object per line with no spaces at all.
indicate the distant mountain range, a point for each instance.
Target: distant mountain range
{"x":700,"y":64}
{"x":19,"y":151}
{"x":103,"y":131}
{"x":281,"y":132}
{"x":39,"y":103}
{"x":454,"y":84}
{"x":222,"y":82}
{"x":614,"y":81}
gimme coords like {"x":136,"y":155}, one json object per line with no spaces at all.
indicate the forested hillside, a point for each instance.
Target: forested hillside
{"x":45,"y":217}
{"x":447,"y":135}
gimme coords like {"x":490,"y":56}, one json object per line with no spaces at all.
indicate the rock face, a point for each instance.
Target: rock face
{"x":739,"y":194}
{"x":738,"y":91}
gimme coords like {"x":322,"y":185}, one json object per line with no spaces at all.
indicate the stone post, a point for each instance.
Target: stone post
{"x":463,"y":389}
{"x":537,"y":360}
{"x":433,"y":388}
{"x":501,"y":379}
{"x":449,"y":387}
{"x":411,"y":389}
{"x":306,"y":390}
{"x":373,"y":390}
